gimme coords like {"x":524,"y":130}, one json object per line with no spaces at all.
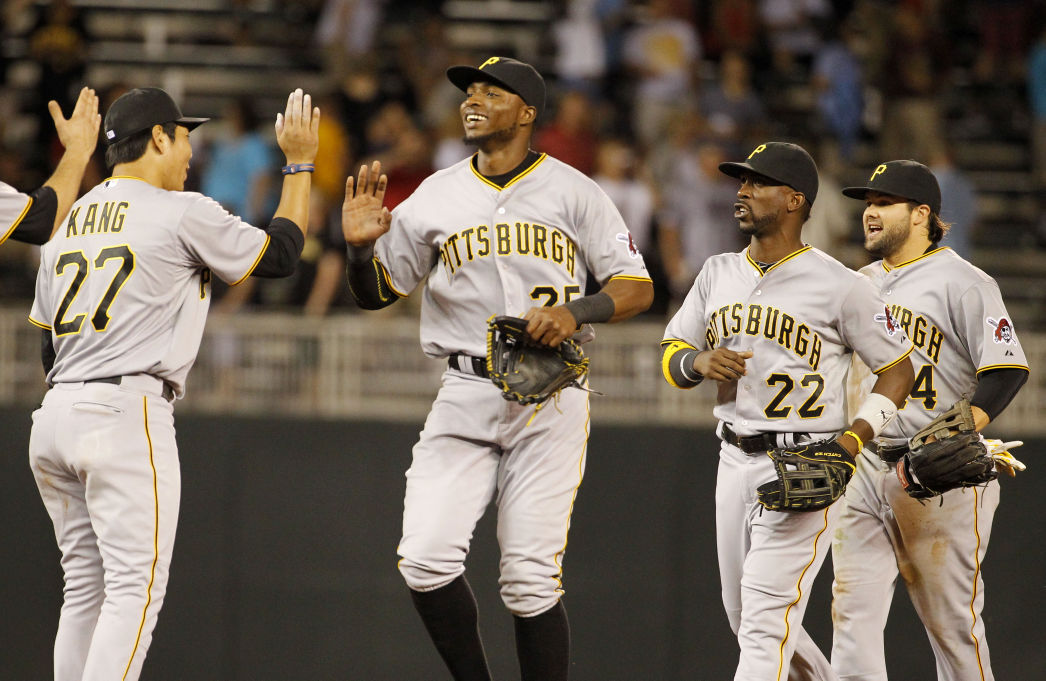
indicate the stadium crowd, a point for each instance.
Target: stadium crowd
{"x":646,"y":97}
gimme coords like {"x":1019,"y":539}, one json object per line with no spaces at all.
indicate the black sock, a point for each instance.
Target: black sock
{"x":452,"y":620}
{"x":543,"y":645}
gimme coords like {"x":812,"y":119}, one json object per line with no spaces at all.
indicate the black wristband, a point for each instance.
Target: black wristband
{"x":598,"y":307}
{"x":359,"y":254}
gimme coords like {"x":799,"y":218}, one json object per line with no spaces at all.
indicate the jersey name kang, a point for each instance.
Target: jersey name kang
{"x":522,"y":238}
{"x":770,"y":323}
{"x":98,"y":218}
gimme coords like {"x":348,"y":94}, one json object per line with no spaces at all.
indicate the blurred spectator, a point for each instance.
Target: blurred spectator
{"x":242,"y":167}
{"x":348,"y":28}
{"x":450,"y":141}
{"x":1003,"y":26}
{"x":839,"y":85}
{"x":403,"y":149}
{"x":335,"y":158}
{"x":569,"y":135}
{"x":581,"y":55}
{"x":734,"y":26}
{"x":1037,"y":103}
{"x":364,"y":91}
{"x":833,"y":223}
{"x":58,"y":43}
{"x":910,"y":83}
{"x":697,"y":218}
{"x":732,"y":108}
{"x":662,"y":53}
{"x":791,"y":28}
{"x":958,"y":201}
{"x":424,"y":52}
{"x":619,"y":172}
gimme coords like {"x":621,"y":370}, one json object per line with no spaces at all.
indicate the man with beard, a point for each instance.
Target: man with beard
{"x":775,"y":326}
{"x":506,"y":231}
{"x":964,"y":345}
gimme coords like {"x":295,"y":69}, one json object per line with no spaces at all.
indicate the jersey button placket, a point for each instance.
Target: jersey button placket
{"x":505,"y":274}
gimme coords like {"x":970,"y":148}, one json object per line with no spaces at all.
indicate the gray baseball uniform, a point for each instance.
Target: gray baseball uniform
{"x":124,"y":288}
{"x":955,"y":316}
{"x":13,"y":207}
{"x":802,"y":319}
{"x":487,"y":250}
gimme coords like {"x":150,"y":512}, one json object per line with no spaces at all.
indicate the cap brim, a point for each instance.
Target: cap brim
{"x":463,"y":76}
{"x":856,"y":192}
{"x":734,"y":169}
{"x":191,"y":123}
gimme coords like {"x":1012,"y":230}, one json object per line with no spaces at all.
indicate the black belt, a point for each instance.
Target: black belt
{"x":756,"y":444}
{"x":892,"y":453}
{"x":167,"y":392}
{"x":467,"y":364}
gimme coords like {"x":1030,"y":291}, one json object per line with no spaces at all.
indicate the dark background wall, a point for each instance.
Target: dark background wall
{"x":284,"y":565}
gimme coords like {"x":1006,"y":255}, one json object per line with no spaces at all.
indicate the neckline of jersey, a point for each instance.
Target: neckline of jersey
{"x":124,"y":177}
{"x":517,"y":178}
{"x":916,"y":259}
{"x":752,"y":262}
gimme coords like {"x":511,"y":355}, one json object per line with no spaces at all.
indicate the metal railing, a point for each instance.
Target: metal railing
{"x":370,"y":366}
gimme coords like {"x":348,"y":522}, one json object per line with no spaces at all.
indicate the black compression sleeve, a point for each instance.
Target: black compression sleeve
{"x":36,"y":226}
{"x":996,"y":388}
{"x":281,"y":255}
{"x":598,"y":307}
{"x":681,"y":368}
{"x":368,"y":280}
{"x":47,"y":353}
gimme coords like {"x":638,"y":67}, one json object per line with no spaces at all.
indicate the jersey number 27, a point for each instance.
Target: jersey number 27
{"x":100,"y":318}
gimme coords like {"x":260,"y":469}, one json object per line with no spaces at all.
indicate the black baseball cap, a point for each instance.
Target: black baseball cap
{"x":140,"y":109}
{"x":908,"y":179}
{"x":511,"y":74}
{"x":782,"y":162}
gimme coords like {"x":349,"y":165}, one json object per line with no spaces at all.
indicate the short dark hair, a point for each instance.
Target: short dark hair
{"x":132,"y":148}
{"x":936,"y":227}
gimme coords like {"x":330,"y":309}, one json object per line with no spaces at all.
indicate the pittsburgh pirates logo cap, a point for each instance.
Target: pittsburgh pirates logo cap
{"x":140,"y":109}
{"x":511,"y":74}
{"x":782,"y":162}
{"x":907,"y":179}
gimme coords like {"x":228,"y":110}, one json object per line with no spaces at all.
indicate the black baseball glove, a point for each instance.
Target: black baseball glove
{"x":809,"y":477}
{"x":955,"y":458}
{"x":528,"y":372}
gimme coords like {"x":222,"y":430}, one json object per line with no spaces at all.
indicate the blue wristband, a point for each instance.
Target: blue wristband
{"x":294,"y":168}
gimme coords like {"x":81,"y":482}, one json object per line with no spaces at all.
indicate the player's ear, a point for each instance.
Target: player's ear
{"x":796,"y":201}
{"x":527,"y":115}
{"x":921,"y":214}
{"x":160,"y":139}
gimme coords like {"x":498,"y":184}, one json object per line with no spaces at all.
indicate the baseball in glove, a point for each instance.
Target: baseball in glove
{"x":810,"y":477}
{"x":947,"y":453}
{"x":528,"y":372}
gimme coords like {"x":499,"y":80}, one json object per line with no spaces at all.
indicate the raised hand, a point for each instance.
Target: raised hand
{"x":298,"y":129}
{"x":364,"y":217}
{"x":78,"y":134}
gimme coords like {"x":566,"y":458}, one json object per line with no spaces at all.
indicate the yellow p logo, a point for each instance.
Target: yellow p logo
{"x":492,"y":60}
{"x":878,"y":171}
{"x":761,"y":147}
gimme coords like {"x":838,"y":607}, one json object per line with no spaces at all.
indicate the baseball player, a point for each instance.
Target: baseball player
{"x":122,"y":296}
{"x":32,"y":218}
{"x":775,"y":326}
{"x":964,"y":345}
{"x":507,"y":231}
